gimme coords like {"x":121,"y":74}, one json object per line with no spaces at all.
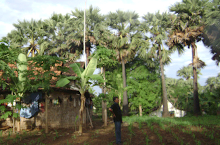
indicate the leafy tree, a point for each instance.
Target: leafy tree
{"x":187,"y":29}
{"x":157,"y":25}
{"x":179,"y":93}
{"x":125,"y":41}
{"x":81,"y":82}
{"x":210,"y":96}
{"x":144,"y":86}
{"x":106,"y":59}
{"x":8,"y":78}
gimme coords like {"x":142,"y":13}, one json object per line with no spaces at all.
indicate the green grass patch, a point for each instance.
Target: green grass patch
{"x":205,"y":120}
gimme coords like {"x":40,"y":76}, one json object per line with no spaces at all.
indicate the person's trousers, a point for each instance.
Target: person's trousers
{"x":118,"y":131}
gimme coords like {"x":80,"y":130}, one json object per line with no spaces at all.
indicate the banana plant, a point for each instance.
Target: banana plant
{"x":81,"y":81}
{"x":22,"y":68}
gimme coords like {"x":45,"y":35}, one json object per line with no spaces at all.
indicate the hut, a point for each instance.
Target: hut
{"x":58,"y":109}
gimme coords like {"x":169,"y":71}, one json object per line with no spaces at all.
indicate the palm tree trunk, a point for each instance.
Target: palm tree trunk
{"x":32,"y":53}
{"x":165,"y":106}
{"x":195,"y":85}
{"x":125,"y":97}
{"x":87,"y":52}
{"x":82,"y":106}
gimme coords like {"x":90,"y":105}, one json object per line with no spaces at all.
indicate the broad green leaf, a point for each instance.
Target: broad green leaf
{"x":90,"y":68}
{"x":62,"y":82}
{"x":72,"y":78}
{"x":96,"y":77}
{"x":76,"y":69}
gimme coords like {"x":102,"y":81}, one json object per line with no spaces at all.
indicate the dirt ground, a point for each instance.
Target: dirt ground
{"x":131,"y":135}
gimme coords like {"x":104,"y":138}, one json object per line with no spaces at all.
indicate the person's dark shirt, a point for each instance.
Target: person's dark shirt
{"x":117,"y":111}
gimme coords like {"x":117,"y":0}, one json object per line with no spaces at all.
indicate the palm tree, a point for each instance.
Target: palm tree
{"x":157,"y":24}
{"x":187,"y":29}
{"x":212,"y":29}
{"x":124,"y":40}
{"x":57,"y":41}
{"x":27,"y":33}
{"x":213,"y":83}
{"x":93,"y":18}
{"x":187,"y":72}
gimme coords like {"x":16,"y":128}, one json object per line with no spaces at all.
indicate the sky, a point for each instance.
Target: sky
{"x":13,"y":10}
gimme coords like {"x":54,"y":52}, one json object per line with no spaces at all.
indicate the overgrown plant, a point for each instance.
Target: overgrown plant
{"x":81,"y":81}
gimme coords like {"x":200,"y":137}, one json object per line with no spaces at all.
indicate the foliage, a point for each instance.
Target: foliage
{"x":58,"y":42}
{"x":8,"y":79}
{"x":212,"y":29}
{"x":82,"y":76}
{"x":183,"y":121}
{"x":179,"y":93}
{"x":106,"y":57}
{"x":38,"y":76}
{"x":144,"y":86}
{"x":27,"y":33}
{"x":210,"y":101}
{"x":186,"y":72}
{"x":98,"y":106}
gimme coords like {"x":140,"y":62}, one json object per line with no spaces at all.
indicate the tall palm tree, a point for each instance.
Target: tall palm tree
{"x":158,"y":24}
{"x":124,"y":40}
{"x":187,"y":29}
{"x":57,"y":41}
{"x":27,"y":35}
{"x":93,"y":18}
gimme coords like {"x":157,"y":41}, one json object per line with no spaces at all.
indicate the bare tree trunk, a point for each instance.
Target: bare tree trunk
{"x":81,"y":110}
{"x":140,"y":110}
{"x":105,"y":104}
{"x":195,"y":85}
{"x":125,"y":96}
{"x":102,"y":99}
{"x":165,"y":106}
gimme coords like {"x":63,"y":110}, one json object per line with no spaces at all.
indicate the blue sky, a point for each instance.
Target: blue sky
{"x":12,"y":11}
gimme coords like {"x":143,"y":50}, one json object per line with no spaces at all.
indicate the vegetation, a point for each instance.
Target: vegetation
{"x":131,"y":53}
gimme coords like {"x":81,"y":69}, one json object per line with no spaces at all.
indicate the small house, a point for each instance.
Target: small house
{"x":172,"y":110}
{"x":58,"y":109}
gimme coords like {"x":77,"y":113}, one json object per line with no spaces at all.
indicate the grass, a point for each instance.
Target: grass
{"x":206,"y":120}
{"x":183,"y":124}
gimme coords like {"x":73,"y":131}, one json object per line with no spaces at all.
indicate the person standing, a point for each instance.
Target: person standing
{"x":117,"y":117}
